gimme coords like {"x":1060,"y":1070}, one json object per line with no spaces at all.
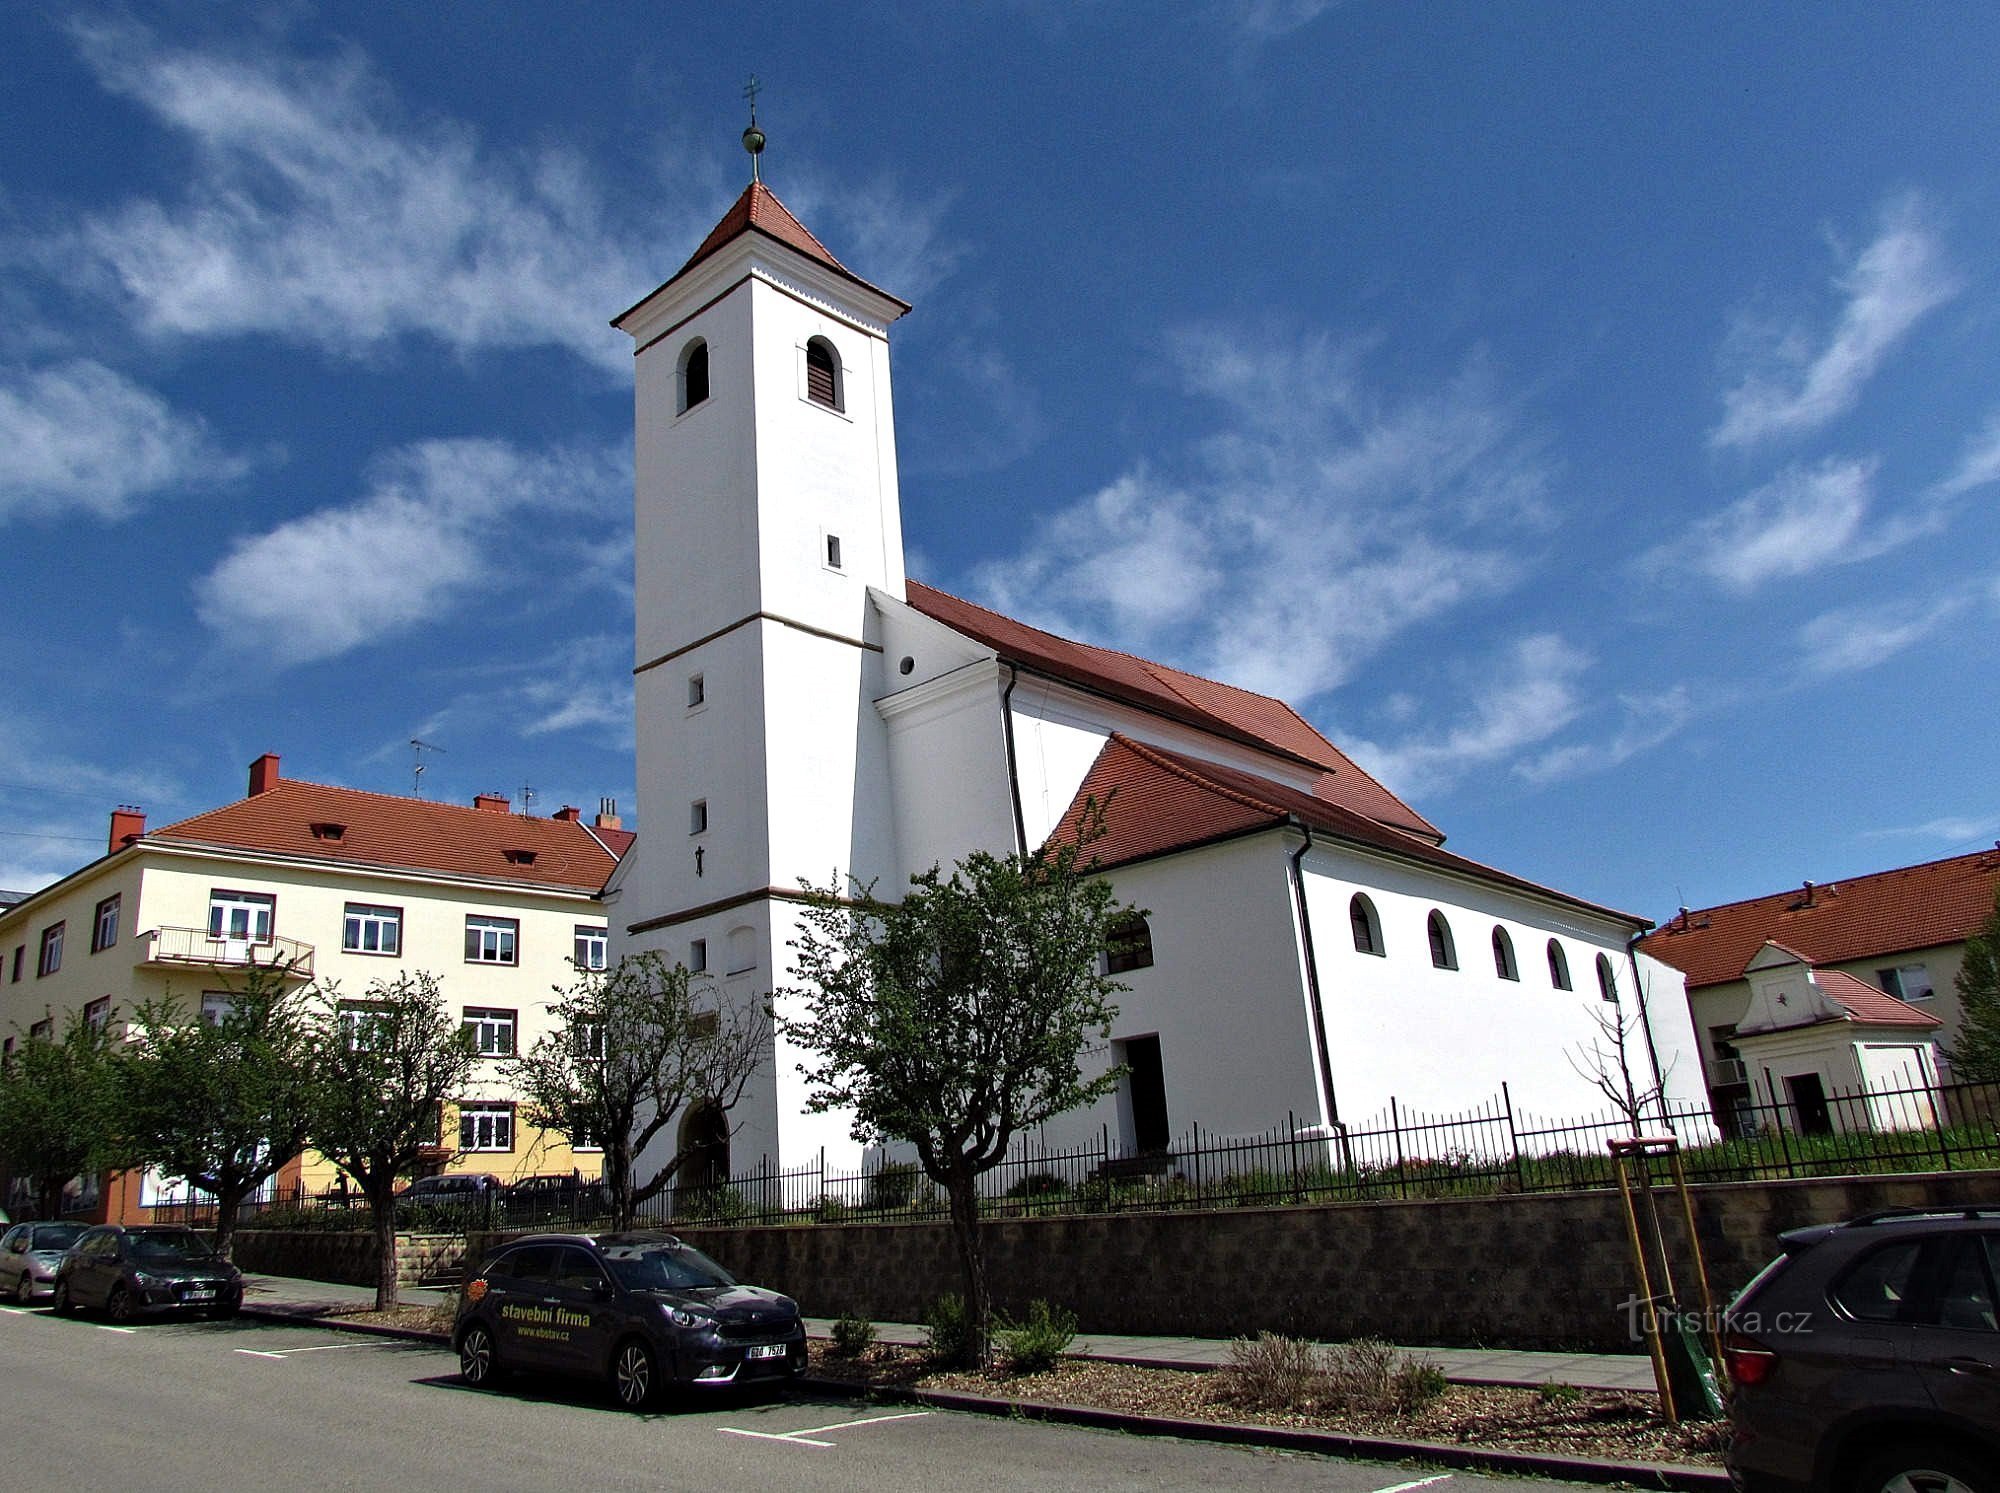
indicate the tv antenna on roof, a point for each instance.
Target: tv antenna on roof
{"x":527,"y":799}
{"x":417,"y":750}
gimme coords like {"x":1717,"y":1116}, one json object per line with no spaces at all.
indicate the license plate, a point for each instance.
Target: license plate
{"x":199,"y":1295}
{"x":765,"y":1350}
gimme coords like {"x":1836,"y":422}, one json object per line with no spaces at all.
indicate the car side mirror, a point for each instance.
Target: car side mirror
{"x":601,"y":1291}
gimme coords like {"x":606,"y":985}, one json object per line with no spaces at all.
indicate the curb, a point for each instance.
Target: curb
{"x":1678,"y":1478}
{"x":1664,"y":1475}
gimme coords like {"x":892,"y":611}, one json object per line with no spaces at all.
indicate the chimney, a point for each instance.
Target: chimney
{"x":607,"y":814}
{"x":567,"y":815}
{"x":1808,"y":902}
{"x":491,"y":803}
{"x":264,"y":774}
{"x":127,"y":824}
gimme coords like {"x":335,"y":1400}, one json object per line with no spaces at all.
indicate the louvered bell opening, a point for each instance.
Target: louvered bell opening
{"x":820,"y":382}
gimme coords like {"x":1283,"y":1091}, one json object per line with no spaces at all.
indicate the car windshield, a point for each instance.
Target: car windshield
{"x":54,"y":1235}
{"x":168,"y":1249}
{"x":665,"y":1268}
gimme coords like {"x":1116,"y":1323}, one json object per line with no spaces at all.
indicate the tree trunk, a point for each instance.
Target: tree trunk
{"x":962,"y":1192}
{"x":382,"y":1200}
{"x":228,"y":1203}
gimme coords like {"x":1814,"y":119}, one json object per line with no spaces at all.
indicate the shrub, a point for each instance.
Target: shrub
{"x":1551,"y":1392}
{"x":1270,"y":1372}
{"x":949,"y":1333}
{"x":891,"y":1187}
{"x":828,"y":1209}
{"x":717,"y":1204}
{"x":313,"y":1220}
{"x":1369,"y":1374}
{"x":1035,"y":1343}
{"x":852,"y":1333}
{"x":1037,"y":1185}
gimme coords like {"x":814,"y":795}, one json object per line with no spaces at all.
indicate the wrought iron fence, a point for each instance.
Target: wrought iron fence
{"x":1403,"y":1153}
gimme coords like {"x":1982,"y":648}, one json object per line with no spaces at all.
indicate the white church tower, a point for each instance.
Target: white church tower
{"x":766,"y":507}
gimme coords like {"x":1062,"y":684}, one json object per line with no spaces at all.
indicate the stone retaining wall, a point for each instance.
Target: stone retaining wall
{"x":315,"y":1254}
{"x":1539,"y":1271}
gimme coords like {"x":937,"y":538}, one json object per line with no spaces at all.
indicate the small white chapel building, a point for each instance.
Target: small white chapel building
{"x":805,"y":712}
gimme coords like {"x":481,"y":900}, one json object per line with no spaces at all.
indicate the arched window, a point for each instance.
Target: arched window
{"x":1367,"y":927}
{"x":823,"y":374}
{"x":693,"y":378}
{"x":1503,"y":955}
{"x":1128,"y":944}
{"x":704,"y":1138}
{"x":1558,"y":966}
{"x":1443,"y":954}
{"x":1607,"y":980}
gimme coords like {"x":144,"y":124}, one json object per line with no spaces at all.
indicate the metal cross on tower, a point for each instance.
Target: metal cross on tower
{"x":753,"y":138}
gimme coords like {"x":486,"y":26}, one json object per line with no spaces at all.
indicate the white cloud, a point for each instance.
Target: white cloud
{"x":426,"y":532}
{"x":316,"y":211}
{"x":1268,"y":20}
{"x":1805,"y":518}
{"x":1887,"y":288}
{"x":1980,"y":464}
{"x":586,"y":686}
{"x":888,"y":234}
{"x":81,"y":438}
{"x":1648,"y":721}
{"x":1952,"y":829}
{"x":1304,"y":536}
{"x":1850,"y":639}
{"x":1522,"y":699}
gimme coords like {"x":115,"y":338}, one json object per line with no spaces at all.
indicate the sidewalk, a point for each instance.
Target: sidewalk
{"x":286,"y":1296}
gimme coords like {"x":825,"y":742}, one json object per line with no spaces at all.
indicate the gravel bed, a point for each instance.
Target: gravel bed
{"x":1572,"y":1422}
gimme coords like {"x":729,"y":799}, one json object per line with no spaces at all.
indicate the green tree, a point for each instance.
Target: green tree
{"x":954,"y":1019}
{"x":223,"y":1102}
{"x":58,"y":1110}
{"x":1975,"y":1057}
{"x":382,"y":1066}
{"x":636,"y":1048}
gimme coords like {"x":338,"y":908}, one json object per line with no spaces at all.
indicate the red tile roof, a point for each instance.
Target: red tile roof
{"x":1165,"y":801}
{"x":1884,"y":913}
{"x":759,"y":211}
{"x":1237,"y":714}
{"x":1867,"y":1004}
{"x":379,"y":830}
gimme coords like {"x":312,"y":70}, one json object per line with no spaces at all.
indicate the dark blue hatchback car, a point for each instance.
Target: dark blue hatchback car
{"x":636,"y":1310}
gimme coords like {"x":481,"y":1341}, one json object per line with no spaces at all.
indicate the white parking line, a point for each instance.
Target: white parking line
{"x":1425,"y":1482}
{"x":290,"y":1352}
{"x":805,"y":1434}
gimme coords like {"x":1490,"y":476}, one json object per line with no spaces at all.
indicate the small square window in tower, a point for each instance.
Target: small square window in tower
{"x":697,"y":691}
{"x":833,"y":552}
{"x":698,"y":817}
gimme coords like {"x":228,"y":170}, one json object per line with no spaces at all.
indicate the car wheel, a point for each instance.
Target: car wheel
{"x":635,"y":1374}
{"x":1922,"y":1469}
{"x":24,"y":1289}
{"x":225,"y":1311}
{"x":478,"y":1364}
{"x":61,"y":1305}
{"x":118,"y":1305}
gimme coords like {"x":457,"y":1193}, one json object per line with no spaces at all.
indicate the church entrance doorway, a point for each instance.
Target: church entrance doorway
{"x":1145,"y":1093}
{"x":705,"y":1142}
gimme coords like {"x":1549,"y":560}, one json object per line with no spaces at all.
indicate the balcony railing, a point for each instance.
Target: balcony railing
{"x":184,"y":946}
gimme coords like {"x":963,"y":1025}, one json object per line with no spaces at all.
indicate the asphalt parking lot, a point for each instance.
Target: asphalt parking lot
{"x":206,"y":1405}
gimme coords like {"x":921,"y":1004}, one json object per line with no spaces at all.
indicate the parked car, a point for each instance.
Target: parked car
{"x":636,"y":1310}
{"x":1866,"y":1358}
{"x":144,"y":1269}
{"x":472,"y":1191}
{"x":558,"y":1197}
{"x":29,"y":1254}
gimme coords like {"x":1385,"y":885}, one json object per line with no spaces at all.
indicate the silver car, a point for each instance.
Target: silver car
{"x":29,"y":1254}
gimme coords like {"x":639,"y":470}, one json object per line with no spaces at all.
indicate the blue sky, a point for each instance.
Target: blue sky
{"x":1585,"y":414}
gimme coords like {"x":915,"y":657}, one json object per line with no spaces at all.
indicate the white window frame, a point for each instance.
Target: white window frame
{"x":359,"y":919}
{"x":261,"y":909}
{"x":491,"y":1027}
{"x":216,"y":1006}
{"x":492,"y":940}
{"x":593,"y":946}
{"x":104,"y":928}
{"x":494,"y":1119}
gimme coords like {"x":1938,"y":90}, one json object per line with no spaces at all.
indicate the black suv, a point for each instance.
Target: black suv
{"x":634,"y":1309}
{"x":1866,"y":1358}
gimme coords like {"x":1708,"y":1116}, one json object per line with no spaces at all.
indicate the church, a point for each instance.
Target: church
{"x":806,"y":711}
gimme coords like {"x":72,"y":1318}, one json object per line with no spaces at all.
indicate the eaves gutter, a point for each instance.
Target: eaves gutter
{"x":207,"y":850}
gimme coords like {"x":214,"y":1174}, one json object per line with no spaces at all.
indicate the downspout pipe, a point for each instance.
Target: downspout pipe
{"x":1013,"y":771}
{"x":1646,"y":1026}
{"x":1313,"y":1002}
